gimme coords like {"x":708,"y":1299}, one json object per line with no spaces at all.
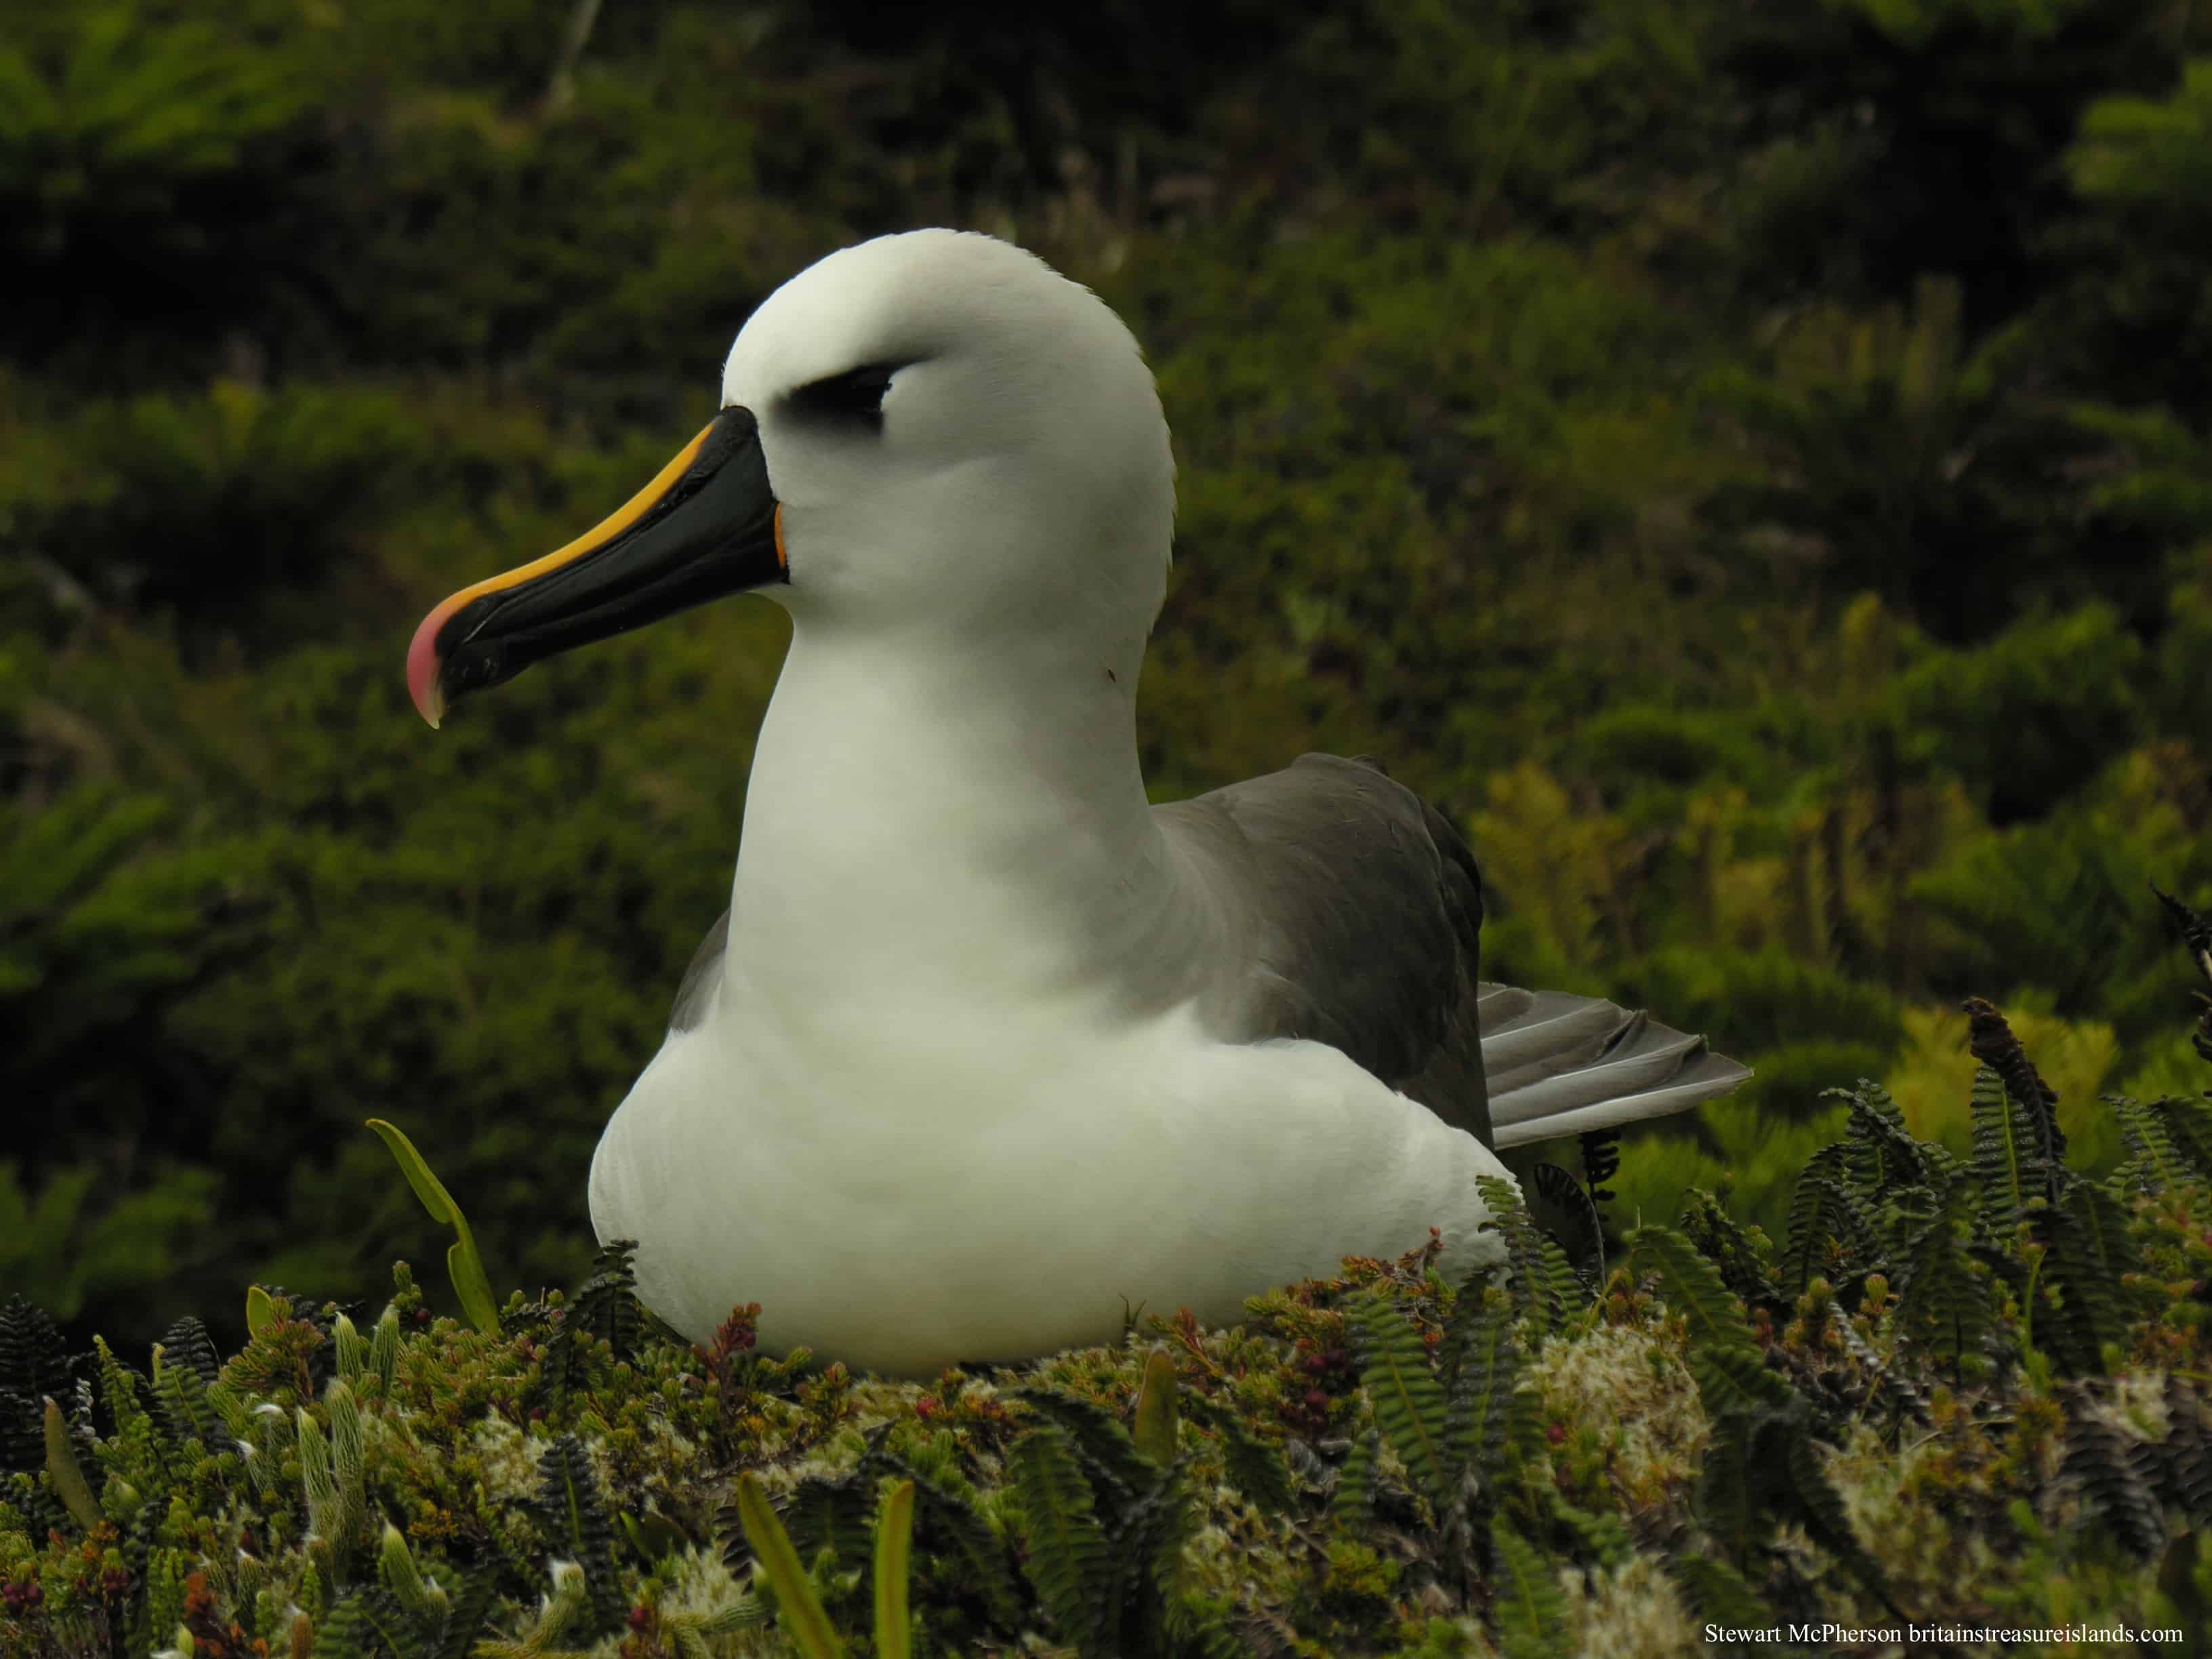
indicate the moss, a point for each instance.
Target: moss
{"x":1597,"y":1473}
{"x":1623,"y":1390}
{"x":1636,"y":1609}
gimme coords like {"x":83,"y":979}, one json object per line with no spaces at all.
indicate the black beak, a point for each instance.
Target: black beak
{"x":709,"y":524}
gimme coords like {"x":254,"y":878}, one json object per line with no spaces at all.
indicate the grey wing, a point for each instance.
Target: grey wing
{"x":702,"y":978}
{"x":1360,"y":910}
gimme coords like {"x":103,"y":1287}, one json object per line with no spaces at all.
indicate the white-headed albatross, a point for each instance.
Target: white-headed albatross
{"x":987,"y":1048}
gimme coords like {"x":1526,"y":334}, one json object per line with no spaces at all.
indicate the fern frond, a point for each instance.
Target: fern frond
{"x":470,"y":1604}
{"x":2195,"y":932}
{"x":1735,"y":1379}
{"x":1353,"y":1499}
{"x":1820,"y":1220}
{"x":1561,"y":1187}
{"x":1408,"y":1400}
{"x":2087,"y":1250}
{"x":1994,"y":1044}
{"x":2158,"y":1165}
{"x":946,"y":1524}
{"x":1600,"y":1155}
{"x":1480,"y":1429}
{"x":1070,"y":1560}
{"x":1940,"y":1295}
{"x":2188,"y":1124}
{"x":1718,"y":1592}
{"x":367,"y":1624}
{"x":574,"y":1512}
{"x":1118,"y":1472}
{"x":34,"y":1365}
{"x":1882,"y":1152}
{"x":2000,"y":1161}
{"x":1255,"y":1466}
{"x":1599,"y":1534}
{"x":1740,"y":1259}
{"x":1692,"y":1286}
{"x":1736,"y":1481}
{"x":830,"y":1512}
{"x":1821,"y":1508}
{"x":606,"y":1307}
{"x":1144,"y":1551}
{"x":182,"y":1401}
{"x":1539,"y":1278}
{"x":186,"y":1342}
{"x":2184,"y":1461}
{"x":1530,"y":1609}
{"x":2117,"y":1477}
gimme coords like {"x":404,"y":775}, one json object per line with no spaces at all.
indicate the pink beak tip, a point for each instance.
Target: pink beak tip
{"x":423,"y":669}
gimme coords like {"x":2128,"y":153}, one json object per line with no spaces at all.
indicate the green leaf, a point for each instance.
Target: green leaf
{"x":949,"y":1525}
{"x":395,"y":1565}
{"x":654,"y":1537}
{"x":894,"y":1567}
{"x":260,"y":1310}
{"x":462,"y":1262}
{"x":1155,"y":1430}
{"x":799,"y":1610}
{"x":62,"y":1470}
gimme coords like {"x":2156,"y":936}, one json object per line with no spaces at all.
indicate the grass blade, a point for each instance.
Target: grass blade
{"x":894,"y":1567}
{"x":798,"y":1609}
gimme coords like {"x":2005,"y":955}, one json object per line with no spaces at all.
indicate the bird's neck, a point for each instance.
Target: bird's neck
{"x":942,"y":822}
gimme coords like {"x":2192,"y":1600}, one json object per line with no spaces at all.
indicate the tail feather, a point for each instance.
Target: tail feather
{"x":1563,"y":1065}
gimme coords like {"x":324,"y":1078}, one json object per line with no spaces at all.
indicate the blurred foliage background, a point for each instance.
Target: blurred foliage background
{"x":1752,"y":465}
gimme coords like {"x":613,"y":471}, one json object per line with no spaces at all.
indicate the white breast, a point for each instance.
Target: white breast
{"x":903,"y":1215}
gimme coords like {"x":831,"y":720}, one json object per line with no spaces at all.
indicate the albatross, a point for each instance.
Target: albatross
{"x":987,"y":1049}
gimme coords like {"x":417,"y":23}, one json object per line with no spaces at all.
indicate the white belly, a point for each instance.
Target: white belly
{"x":979,"y":1202}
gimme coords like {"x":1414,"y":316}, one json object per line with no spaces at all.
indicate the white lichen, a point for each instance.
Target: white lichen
{"x":1622,"y":1383}
{"x":1637,"y":1609}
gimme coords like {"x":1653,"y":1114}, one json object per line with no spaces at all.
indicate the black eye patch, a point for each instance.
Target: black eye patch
{"x":855,"y":398}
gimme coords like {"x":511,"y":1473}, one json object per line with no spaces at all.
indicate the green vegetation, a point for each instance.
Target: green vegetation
{"x":1964,"y":1391}
{"x":1753,"y":467}
{"x":1750,"y":470}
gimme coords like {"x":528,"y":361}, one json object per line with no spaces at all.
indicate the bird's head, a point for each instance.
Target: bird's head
{"x":932,"y":434}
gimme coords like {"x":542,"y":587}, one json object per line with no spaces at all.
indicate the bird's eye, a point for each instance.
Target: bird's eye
{"x":853,"y":397}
